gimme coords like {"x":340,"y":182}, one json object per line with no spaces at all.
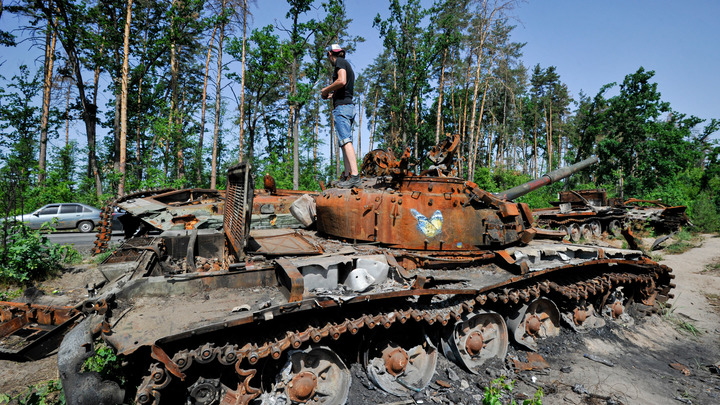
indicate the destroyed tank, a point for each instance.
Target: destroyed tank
{"x":589,"y":213}
{"x":390,"y":275}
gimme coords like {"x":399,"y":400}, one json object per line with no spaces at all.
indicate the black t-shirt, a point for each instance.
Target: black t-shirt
{"x":344,"y":95}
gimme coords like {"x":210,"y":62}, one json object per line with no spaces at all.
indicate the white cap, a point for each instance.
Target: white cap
{"x":335,"y":48}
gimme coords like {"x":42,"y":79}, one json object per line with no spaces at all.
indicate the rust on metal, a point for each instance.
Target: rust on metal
{"x":281,"y":242}
{"x":291,"y":278}
{"x":302,"y":386}
{"x":159,"y":354}
{"x":534,"y":362}
{"x":28,"y":330}
{"x":396,"y":360}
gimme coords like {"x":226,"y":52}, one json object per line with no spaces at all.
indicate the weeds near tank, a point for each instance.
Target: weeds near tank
{"x":45,"y":393}
{"x":712,"y":268}
{"x":97,"y":259}
{"x":668,"y":314}
{"x":683,"y":242}
{"x":27,"y":255}
{"x":500,"y":392}
{"x":105,"y":362}
{"x":10,"y":294}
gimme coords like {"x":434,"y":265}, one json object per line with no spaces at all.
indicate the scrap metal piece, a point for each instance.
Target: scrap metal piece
{"x":31,"y":331}
{"x":534,"y":362}
{"x":681,"y":368}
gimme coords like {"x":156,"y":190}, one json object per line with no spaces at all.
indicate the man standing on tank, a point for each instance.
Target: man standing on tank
{"x":341,"y":91}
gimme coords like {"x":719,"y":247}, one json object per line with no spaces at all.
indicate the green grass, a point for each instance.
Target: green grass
{"x":45,"y":393}
{"x":668,"y":314}
{"x":500,"y":392}
{"x":712,"y":267}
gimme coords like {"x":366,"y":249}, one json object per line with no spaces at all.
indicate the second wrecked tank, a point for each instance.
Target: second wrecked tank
{"x":391,"y":274}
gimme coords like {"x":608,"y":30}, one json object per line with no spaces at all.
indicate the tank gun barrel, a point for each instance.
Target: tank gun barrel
{"x":545,"y":179}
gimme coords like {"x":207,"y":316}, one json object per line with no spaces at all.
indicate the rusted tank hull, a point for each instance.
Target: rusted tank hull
{"x":422,"y":213}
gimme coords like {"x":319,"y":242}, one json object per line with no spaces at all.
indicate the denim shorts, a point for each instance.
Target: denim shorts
{"x":344,"y":117}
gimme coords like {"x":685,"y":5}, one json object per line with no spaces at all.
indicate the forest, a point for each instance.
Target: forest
{"x":147,"y":84}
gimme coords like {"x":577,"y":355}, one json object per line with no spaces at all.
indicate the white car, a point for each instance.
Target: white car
{"x":69,"y":216}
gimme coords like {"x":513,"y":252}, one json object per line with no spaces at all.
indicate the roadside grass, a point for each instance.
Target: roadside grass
{"x":668,"y":314}
{"x":683,"y":241}
{"x":712,"y":268}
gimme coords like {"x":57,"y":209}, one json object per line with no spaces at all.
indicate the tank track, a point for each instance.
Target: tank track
{"x":649,"y":278}
{"x":105,"y":231}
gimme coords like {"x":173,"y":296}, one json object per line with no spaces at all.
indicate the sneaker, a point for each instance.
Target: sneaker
{"x":352,"y":181}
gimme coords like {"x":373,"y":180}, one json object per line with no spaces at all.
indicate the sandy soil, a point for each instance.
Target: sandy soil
{"x":640,"y":354}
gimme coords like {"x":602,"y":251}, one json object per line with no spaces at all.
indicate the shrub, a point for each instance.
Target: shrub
{"x":704,"y":213}
{"x":27,"y":255}
{"x":105,"y":362}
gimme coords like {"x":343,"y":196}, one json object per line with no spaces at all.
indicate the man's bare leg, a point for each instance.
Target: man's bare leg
{"x":350,"y":160}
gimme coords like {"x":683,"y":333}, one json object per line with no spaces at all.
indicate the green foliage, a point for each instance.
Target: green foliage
{"x":704,"y":213}
{"x":10,"y":294}
{"x":27,"y":255}
{"x":104,"y":361}
{"x":46,"y":393}
{"x":500,"y":392}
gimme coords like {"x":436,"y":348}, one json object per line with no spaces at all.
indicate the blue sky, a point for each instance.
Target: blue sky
{"x":591,"y":43}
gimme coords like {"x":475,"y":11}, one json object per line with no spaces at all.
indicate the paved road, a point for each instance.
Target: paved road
{"x":81,"y":240}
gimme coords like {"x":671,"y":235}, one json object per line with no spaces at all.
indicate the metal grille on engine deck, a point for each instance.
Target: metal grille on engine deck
{"x":238,"y":207}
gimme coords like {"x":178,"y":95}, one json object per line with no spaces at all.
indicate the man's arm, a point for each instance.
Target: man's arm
{"x":339,"y":83}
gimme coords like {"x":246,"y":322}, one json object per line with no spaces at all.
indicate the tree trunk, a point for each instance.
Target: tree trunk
{"x":50,"y":39}
{"x":295,"y":132}
{"x":360,"y":115}
{"x":89,"y":110}
{"x":203,"y":107}
{"x":242,"y":83}
{"x":471,"y":135}
{"x":438,"y":124}
{"x":315,"y":136}
{"x":216,"y":132}
{"x":67,"y":113}
{"x":123,"y":99}
{"x":372,"y":127}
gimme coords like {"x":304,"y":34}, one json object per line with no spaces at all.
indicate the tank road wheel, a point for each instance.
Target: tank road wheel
{"x":614,"y":227}
{"x":586,"y":231}
{"x":315,"y":375}
{"x":566,"y":229}
{"x":582,"y":317}
{"x":574,"y":232}
{"x":614,"y":306}
{"x":401,"y":367}
{"x":529,"y":323}
{"x":596,"y":228}
{"x":471,"y":342}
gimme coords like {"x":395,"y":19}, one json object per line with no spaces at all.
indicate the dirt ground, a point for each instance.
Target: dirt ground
{"x":634,"y":364}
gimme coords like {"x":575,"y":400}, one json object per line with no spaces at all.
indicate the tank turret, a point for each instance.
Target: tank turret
{"x":431,"y":211}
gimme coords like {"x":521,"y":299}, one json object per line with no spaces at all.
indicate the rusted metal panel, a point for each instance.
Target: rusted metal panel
{"x":291,"y":278}
{"x":179,"y":209}
{"x":32,"y":331}
{"x":423,"y":213}
{"x":239,"y":201}
{"x":282,"y":242}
